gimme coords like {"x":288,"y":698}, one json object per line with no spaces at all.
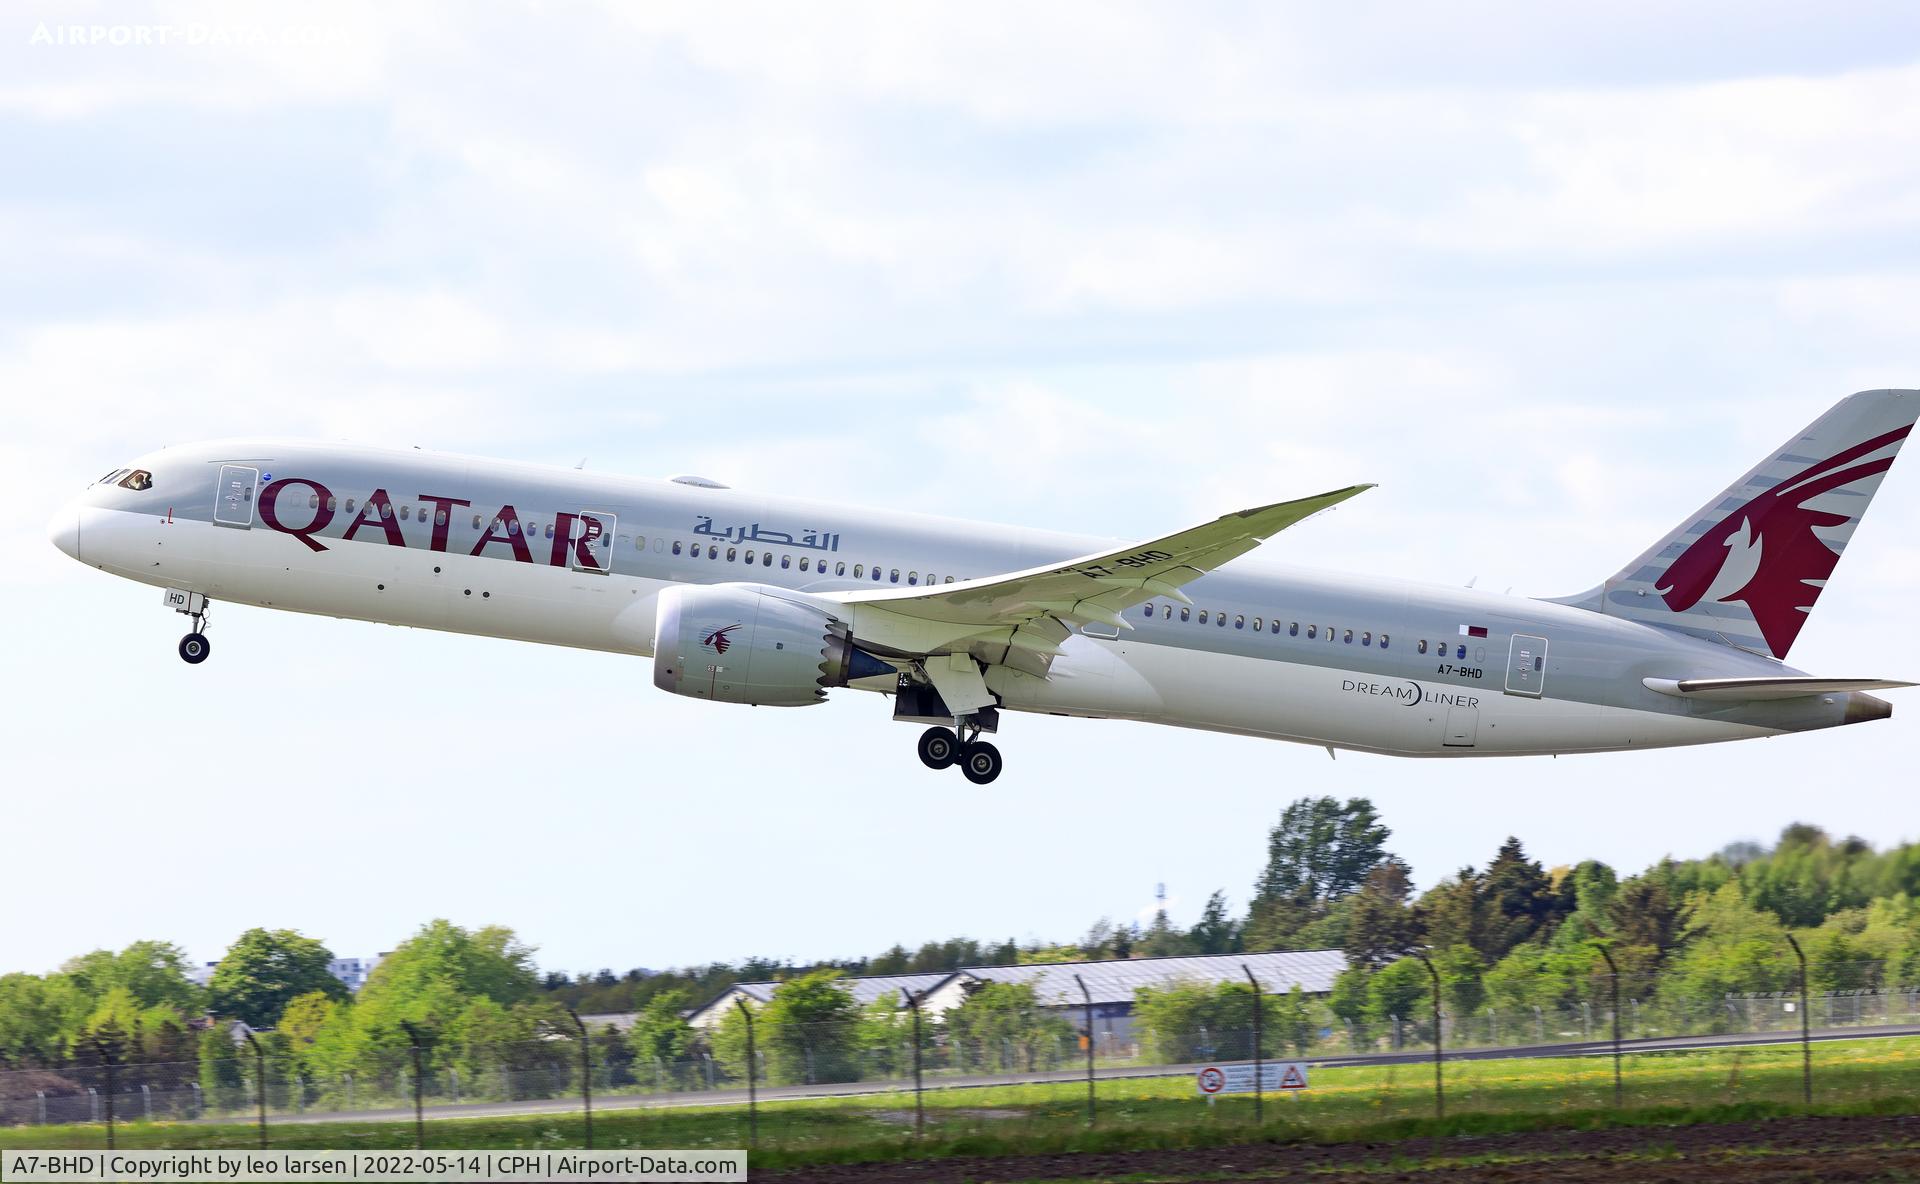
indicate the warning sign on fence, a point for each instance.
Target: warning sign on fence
{"x":1239,"y":1079}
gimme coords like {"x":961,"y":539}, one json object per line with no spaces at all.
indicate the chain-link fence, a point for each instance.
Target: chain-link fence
{"x":1541,"y":1040}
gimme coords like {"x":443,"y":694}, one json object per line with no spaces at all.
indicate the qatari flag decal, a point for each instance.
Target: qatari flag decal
{"x":1473,"y":630}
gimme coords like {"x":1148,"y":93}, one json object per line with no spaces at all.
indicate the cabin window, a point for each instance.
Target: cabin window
{"x":949,"y":579}
{"x":1186,"y":614}
{"x":1220,"y":619}
{"x":1383,"y":641}
{"x":1329,"y":632}
{"x":639,"y":542}
{"x":1149,"y":613}
{"x":1166,"y":614}
{"x":1460,"y":652}
{"x":1420,"y":647}
{"x":349,"y":509}
{"x":749,"y":556}
{"x":1240,"y":621}
{"x":386,"y":509}
{"x":549,"y":530}
{"x":406,"y":513}
{"x":876,"y":575}
{"x":476,"y":517}
{"x":1366,"y":638}
{"x":1293,"y":628}
{"x":913,"y":577}
{"x":840,"y":569}
{"x":1313,"y":631}
{"x":786,"y":561}
{"x":713,"y":551}
{"x":804,"y":561}
{"x":676,"y":546}
{"x":931,"y":579}
{"x":731,"y":554}
{"x":439,"y":517}
{"x":893,"y":577}
{"x":1348,"y":638}
{"x":313,"y":501}
{"x":1203,"y":616}
{"x":334,"y":504}
{"x":1257,"y":625}
{"x":859,"y":569}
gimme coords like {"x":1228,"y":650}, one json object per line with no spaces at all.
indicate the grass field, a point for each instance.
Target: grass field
{"x":1365,"y":1103}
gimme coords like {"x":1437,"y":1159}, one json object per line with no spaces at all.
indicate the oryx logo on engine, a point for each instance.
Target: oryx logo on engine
{"x":718,"y":640}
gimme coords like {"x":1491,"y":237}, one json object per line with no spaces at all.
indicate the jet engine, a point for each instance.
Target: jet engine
{"x":753,"y":643}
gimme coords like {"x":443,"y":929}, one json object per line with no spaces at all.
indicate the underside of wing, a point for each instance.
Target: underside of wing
{"x":1020,"y":619}
{"x":1764,"y":689}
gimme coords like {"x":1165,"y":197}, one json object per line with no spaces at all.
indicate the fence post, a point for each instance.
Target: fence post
{"x":586,"y":1073}
{"x":753,"y":1079}
{"x":1614,"y":972}
{"x":1088,"y":996}
{"x":41,"y":1095}
{"x":260,"y":1079}
{"x":919,"y":1098}
{"x":146,"y":1100}
{"x":106,"y":1055}
{"x":1806,"y":1027}
{"x":1259,"y":1067}
{"x":1439,"y":1081}
{"x":419,"y":1086}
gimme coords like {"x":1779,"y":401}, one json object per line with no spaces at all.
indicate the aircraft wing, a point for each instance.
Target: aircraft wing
{"x":1756,"y":690}
{"x":1019,"y":619}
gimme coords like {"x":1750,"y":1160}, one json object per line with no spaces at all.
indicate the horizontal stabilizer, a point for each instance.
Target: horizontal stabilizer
{"x":1756,"y":690}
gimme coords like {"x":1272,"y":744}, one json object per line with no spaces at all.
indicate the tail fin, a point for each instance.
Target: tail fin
{"x":1747,"y":567}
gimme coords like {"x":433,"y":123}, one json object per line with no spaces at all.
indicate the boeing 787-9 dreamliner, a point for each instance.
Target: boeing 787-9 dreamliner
{"x":756,"y":599}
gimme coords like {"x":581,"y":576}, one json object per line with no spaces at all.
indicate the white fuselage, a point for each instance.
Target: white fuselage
{"x":1344,"y":662}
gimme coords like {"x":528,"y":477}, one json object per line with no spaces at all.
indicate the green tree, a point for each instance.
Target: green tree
{"x":38,"y":1019}
{"x":1322,"y":848}
{"x":153,"y":972}
{"x":809,"y":1031}
{"x":1380,"y":923}
{"x":265,"y":970}
{"x":1518,"y":901}
{"x":1003,"y":1026}
{"x":1215,"y":932}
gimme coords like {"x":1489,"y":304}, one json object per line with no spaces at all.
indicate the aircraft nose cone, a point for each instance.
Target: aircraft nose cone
{"x":64,"y":530}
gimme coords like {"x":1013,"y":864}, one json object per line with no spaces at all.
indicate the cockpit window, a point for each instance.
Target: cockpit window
{"x":110,"y":478}
{"x":137,"y":480}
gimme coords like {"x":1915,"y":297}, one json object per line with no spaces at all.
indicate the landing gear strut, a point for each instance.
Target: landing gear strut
{"x":194,"y":647}
{"x":979,"y":761}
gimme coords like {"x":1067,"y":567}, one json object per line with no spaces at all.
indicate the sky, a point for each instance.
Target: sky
{"x":1552,"y":275}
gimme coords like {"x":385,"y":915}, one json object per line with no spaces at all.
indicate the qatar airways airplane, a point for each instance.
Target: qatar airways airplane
{"x":748,"y":598}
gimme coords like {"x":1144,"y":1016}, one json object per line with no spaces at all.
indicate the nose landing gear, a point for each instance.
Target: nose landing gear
{"x":979,"y":761}
{"x":194,"y":647}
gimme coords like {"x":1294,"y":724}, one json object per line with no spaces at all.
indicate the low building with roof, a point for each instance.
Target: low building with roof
{"x":1113,"y":985}
{"x":865,"y":990}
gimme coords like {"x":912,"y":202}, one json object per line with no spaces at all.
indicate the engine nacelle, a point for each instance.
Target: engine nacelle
{"x":752,"y":643}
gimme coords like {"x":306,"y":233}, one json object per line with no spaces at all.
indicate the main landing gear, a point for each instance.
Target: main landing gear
{"x":979,"y":761}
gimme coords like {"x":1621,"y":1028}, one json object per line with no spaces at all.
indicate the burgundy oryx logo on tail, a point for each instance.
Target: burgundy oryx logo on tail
{"x":718,"y":640}
{"x":1765,"y":553}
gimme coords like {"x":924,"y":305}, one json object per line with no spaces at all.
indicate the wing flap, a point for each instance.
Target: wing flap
{"x":1765,"y":689}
